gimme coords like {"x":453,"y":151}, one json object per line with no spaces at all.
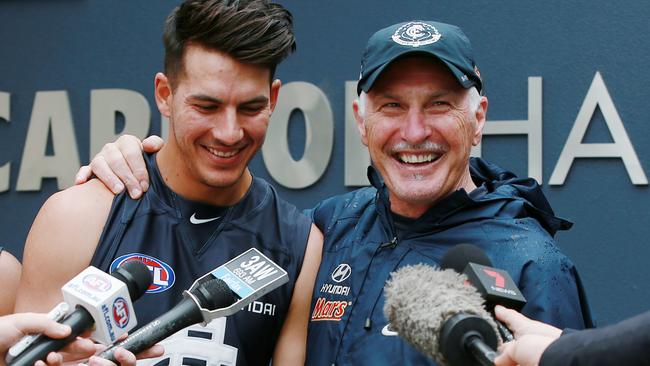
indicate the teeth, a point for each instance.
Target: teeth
{"x":222,"y":154}
{"x":415,"y":159}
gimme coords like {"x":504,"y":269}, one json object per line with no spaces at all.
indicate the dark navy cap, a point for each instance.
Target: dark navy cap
{"x":446,"y":42}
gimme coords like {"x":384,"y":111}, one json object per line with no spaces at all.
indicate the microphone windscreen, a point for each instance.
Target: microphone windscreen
{"x":420,"y":299}
{"x":136,"y":276}
{"x":460,"y":255}
{"x":214,"y":294}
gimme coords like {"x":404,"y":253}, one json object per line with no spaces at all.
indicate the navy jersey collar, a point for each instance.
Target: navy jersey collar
{"x":256,"y":195}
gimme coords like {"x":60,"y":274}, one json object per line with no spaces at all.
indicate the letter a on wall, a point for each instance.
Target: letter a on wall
{"x":598,"y":96}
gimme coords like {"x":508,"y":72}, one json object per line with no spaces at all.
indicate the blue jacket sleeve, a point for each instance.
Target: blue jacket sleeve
{"x":554,"y":292}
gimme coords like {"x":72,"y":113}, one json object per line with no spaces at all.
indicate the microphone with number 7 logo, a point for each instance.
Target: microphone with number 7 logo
{"x":495,"y":285}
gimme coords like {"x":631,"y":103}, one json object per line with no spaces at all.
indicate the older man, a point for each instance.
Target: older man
{"x":419,"y":112}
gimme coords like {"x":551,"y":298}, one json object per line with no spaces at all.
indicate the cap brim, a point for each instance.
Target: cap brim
{"x":366,"y":83}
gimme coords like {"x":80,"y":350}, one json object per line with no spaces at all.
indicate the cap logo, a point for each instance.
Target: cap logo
{"x":416,"y":34}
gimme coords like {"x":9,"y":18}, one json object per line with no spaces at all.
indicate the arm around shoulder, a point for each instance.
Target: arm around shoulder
{"x":60,"y":243}
{"x":292,"y":343}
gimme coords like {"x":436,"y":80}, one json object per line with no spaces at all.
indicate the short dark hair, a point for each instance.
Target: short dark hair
{"x":252,"y":31}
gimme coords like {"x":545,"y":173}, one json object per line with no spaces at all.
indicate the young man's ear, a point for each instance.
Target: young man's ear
{"x":275,"y":90}
{"x":163,"y":94}
{"x":481,"y":115}
{"x":361,"y":121}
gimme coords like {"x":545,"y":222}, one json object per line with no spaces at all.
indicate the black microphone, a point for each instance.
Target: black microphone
{"x":442,"y":317}
{"x":99,"y":301}
{"x":210,"y":295}
{"x":495,"y":285}
{"x":458,"y":256}
{"x":222,"y":292}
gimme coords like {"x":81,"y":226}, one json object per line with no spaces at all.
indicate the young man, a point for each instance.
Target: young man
{"x":420,"y":110}
{"x":203,"y":207}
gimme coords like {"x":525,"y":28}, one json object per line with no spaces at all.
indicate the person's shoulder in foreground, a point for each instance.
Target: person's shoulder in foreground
{"x":536,"y":343}
{"x":623,"y":343}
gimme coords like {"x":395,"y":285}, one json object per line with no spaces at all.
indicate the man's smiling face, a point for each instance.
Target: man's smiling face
{"x":419,"y":127}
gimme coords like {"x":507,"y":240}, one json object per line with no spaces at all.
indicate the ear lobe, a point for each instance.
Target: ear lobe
{"x":275,"y":90}
{"x":481,"y":115}
{"x":361,"y":122}
{"x":163,"y":94}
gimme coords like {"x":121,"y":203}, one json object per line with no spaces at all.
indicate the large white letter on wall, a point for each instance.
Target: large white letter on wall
{"x":357,"y":157}
{"x":4,"y":115}
{"x":104,"y":104}
{"x":598,"y":96}
{"x":51,"y":112}
{"x":319,"y":139}
{"x":532,"y":128}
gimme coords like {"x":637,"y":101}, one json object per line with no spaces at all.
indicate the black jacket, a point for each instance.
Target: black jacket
{"x":625,"y":343}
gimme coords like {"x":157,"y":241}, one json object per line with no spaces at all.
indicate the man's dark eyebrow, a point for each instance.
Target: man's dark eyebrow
{"x":260,"y":99}
{"x":205,"y":98}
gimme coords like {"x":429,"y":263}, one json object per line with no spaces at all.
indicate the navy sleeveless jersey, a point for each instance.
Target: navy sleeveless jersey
{"x":159,"y":230}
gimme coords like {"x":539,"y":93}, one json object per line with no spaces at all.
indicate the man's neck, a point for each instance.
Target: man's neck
{"x":414,"y":210}
{"x":179,"y":179}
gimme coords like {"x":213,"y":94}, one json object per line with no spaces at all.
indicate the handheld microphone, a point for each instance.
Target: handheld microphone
{"x":212,"y":294}
{"x":57,"y":314}
{"x":440,"y":316}
{"x":99,"y":299}
{"x":495,"y":285}
{"x":222,"y":292}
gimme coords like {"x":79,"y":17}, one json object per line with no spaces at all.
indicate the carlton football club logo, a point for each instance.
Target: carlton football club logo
{"x":163,"y":274}
{"x":416,"y":34}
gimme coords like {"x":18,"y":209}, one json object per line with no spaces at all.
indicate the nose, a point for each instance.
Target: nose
{"x":415,"y":129}
{"x":227,"y":130}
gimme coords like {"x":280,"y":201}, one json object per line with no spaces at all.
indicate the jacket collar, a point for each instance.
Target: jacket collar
{"x":503,"y":188}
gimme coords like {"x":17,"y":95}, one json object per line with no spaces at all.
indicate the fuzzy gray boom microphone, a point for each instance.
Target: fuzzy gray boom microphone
{"x":436,"y":312}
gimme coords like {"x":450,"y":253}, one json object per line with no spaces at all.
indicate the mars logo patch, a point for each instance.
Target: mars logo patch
{"x":163,"y":274}
{"x":332,"y":310}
